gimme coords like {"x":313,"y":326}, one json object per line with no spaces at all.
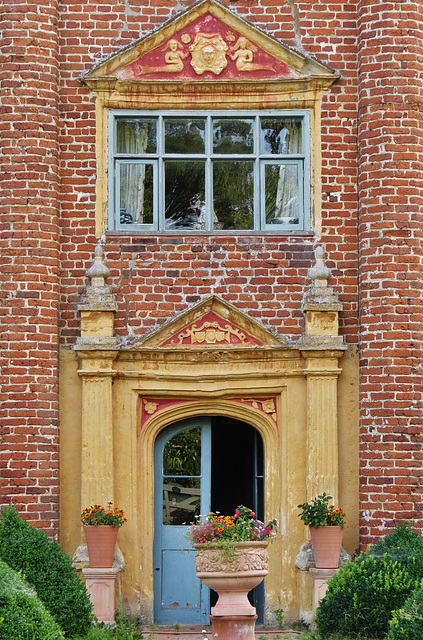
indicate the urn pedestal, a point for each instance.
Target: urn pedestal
{"x":232,"y":572}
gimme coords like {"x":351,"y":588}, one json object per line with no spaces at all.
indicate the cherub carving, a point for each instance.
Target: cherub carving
{"x":174,"y":60}
{"x":244,"y":54}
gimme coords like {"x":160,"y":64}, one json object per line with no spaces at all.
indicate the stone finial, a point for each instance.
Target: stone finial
{"x":320,"y":273}
{"x":97,"y":295}
{"x":98,"y":271}
{"x":321,"y":306}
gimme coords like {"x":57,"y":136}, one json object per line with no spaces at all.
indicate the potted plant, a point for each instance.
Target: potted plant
{"x":101,"y":526}
{"x":326,"y":525}
{"x":231,"y":557}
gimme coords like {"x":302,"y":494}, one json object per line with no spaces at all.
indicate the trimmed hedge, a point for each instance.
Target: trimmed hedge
{"x":407,"y":623}
{"x":48,"y":569}
{"x":362,"y":596}
{"x":22,"y":614}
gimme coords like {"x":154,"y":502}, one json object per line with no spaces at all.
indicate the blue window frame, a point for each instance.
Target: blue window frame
{"x":231,"y":172}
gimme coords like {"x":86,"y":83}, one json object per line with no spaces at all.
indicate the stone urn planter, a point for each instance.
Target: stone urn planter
{"x":232,"y":572}
{"x":327,"y":542}
{"x":101,"y":542}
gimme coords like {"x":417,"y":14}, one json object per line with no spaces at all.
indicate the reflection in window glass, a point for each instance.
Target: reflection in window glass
{"x":210,"y":171}
{"x":182,"y":454}
{"x":233,"y":194}
{"x":181,"y":500}
{"x":282,"y":195}
{"x":183,"y":135}
{"x":182,"y":477}
{"x":136,"y":135}
{"x":233,"y":136}
{"x":281,"y":135}
{"x":184,"y":194}
{"x":136,"y":193}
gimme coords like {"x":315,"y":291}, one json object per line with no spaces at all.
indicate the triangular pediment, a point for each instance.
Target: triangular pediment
{"x":207,"y":43}
{"x":212,"y":323}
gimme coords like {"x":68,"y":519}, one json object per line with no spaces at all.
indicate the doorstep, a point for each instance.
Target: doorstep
{"x":195,"y":632}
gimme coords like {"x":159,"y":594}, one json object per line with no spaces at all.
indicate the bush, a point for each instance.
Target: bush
{"x":22,"y":614}
{"x":407,"y":623}
{"x":361,"y":598}
{"x":48,"y":569}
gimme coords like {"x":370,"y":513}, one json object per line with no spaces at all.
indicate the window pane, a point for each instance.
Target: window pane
{"x":281,"y":135}
{"x":233,"y":136}
{"x":184,"y":135}
{"x":184,"y":194}
{"x":181,"y":500}
{"x":136,"y":193}
{"x":182,"y":454}
{"x":281,"y":193}
{"x":233,"y":194}
{"x":136,"y":135}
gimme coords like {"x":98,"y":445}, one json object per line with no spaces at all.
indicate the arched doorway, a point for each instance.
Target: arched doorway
{"x":202,"y":464}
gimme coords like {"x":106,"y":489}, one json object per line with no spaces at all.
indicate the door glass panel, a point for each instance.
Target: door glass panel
{"x":182,"y":477}
{"x":184,"y":194}
{"x":136,"y":135}
{"x":233,"y":136}
{"x":282,"y":194}
{"x":184,"y":135}
{"x":281,"y":135}
{"x":136,"y":193}
{"x":233,"y":194}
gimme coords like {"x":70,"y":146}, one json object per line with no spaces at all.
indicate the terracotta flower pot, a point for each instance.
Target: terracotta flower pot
{"x":327,"y":543}
{"x":101,"y":542}
{"x":232,"y":573}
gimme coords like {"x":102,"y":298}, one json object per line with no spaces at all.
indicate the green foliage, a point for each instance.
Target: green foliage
{"x":319,"y":512}
{"x":278,"y":613}
{"x":407,"y":623}
{"x":125,"y":629}
{"x":362,"y":596}
{"x":22,"y":614}
{"x":402,"y":544}
{"x":182,"y":454}
{"x":48,"y":569}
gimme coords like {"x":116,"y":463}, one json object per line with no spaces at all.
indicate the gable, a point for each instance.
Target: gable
{"x":206,"y":43}
{"x":213,"y":323}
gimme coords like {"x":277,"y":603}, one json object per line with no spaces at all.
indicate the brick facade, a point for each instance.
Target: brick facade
{"x":371,"y":138}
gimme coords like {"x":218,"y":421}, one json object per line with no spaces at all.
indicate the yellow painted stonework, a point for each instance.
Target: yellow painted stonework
{"x":310,"y":435}
{"x":95,"y":323}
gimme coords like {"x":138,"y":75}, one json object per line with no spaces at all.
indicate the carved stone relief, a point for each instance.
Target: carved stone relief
{"x":207,"y":46}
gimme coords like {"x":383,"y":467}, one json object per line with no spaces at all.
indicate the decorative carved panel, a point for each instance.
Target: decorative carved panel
{"x":206,"y":47}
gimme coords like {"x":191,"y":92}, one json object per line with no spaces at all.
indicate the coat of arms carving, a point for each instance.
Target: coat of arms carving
{"x":208,"y":53}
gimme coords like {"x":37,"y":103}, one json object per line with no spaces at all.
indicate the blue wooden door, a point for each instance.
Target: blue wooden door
{"x":182,"y":463}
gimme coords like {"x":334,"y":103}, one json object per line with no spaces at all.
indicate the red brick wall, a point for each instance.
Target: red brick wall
{"x":391,"y":232}
{"x":29,"y":273}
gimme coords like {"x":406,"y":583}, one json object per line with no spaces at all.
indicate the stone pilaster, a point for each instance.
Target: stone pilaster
{"x":97,"y":349}
{"x":322,"y":347}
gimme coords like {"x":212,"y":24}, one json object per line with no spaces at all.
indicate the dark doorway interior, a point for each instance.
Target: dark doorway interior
{"x":237,"y":477}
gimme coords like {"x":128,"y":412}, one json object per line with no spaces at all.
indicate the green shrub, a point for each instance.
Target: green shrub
{"x":48,"y":569}
{"x":361,"y":598}
{"x":407,"y":623}
{"x":22,"y":614}
{"x":404,"y":545}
